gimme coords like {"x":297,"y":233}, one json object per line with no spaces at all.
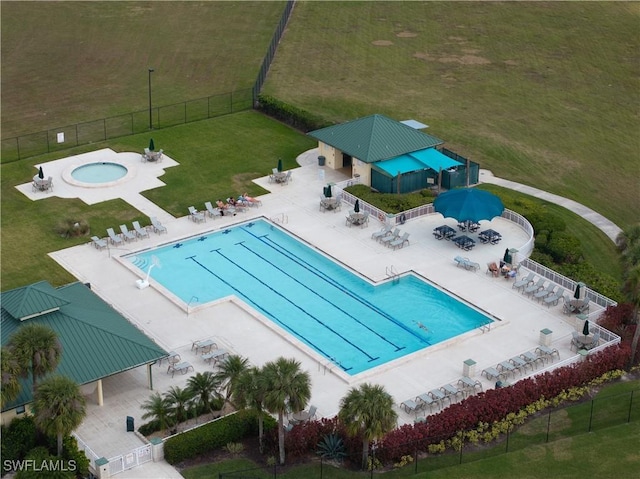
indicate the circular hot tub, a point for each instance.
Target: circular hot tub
{"x":96,"y":173}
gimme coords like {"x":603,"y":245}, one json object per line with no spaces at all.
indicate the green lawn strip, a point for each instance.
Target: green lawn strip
{"x":197,"y":49}
{"x":540,"y":95}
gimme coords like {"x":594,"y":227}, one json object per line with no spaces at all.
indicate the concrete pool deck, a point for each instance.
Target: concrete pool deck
{"x":234,"y":326}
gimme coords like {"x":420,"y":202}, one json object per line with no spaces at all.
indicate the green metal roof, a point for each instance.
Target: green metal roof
{"x":375,"y":138}
{"x":96,"y":340}
{"x":33,"y":300}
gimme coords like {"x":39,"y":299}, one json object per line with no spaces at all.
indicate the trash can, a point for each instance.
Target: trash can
{"x":130,"y":427}
{"x":321,"y":160}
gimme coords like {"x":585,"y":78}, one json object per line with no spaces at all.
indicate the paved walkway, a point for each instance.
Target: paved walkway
{"x":608,"y":227}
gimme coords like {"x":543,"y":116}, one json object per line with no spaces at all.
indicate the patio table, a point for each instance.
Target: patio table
{"x":464,"y":242}
{"x":444,"y":231}
{"x":490,"y":236}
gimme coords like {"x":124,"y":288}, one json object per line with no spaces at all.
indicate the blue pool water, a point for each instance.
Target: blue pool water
{"x":99,"y":172}
{"x":328,"y":307}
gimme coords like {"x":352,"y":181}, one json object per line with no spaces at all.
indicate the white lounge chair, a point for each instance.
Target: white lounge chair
{"x":140,"y":231}
{"x":157,"y":226}
{"x":553,"y":299}
{"x":98,"y":243}
{"x":195,"y":215}
{"x":532,"y":288}
{"x":399,"y":243}
{"x":386,"y":230}
{"x":524,"y":282}
{"x":126,"y":234}
{"x":543,"y":293}
{"x":115,"y":239}
{"x":389,"y":238}
{"x":211,"y":211}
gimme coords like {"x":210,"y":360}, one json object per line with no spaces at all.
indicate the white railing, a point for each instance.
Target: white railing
{"x":92,"y":456}
{"x":137,"y":457}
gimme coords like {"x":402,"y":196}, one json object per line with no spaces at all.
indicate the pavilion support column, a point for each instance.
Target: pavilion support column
{"x":100,"y":395}
{"x":150,"y":376}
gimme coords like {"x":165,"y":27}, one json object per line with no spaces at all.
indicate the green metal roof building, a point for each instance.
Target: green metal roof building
{"x":388,"y":155}
{"x":96,"y":340}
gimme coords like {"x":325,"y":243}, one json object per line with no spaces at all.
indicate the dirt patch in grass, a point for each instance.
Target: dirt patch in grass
{"x":406,"y":34}
{"x":382,"y":43}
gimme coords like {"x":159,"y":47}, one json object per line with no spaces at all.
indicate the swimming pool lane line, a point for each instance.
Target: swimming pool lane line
{"x":371,"y":358}
{"x":346,"y":313}
{"x":265,"y":311}
{"x":337,"y":285}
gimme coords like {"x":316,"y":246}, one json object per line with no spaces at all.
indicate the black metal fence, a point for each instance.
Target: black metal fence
{"x":557,"y":424}
{"x":62,"y":138}
{"x":271,"y":50}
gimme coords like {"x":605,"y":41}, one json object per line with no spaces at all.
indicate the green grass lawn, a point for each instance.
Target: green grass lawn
{"x":72,"y":62}
{"x":544,"y":93}
{"x":609,"y":451}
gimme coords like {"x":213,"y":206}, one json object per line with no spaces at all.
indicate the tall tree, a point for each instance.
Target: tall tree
{"x":205,"y":387}
{"x":367,"y":411}
{"x":230,"y":370}
{"x":158,"y":409}
{"x":10,"y":374}
{"x":287,"y":388}
{"x":37,"y":349}
{"x":628,"y":243}
{"x":58,"y":407}
{"x":249,"y":391}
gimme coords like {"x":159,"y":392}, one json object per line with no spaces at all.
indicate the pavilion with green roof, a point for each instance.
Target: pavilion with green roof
{"x":96,"y":340}
{"x":388,"y":155}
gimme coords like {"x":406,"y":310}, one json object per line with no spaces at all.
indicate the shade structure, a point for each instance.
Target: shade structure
{"x":356,"y":206}
{"x":152,"y":147}
{"x":279,"y":164}
{"x":585,"y":328}
{"x":577,"y":292}
{"x":40,"y":173}
{"x":468,"y":204}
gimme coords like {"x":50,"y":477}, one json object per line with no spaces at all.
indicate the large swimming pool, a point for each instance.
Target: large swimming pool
{"x":341,"y":315}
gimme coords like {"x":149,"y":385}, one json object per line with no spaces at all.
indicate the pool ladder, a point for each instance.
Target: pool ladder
{"x":392,"y":273}
{"x":281,"y":218}
{"x":485,"y":328}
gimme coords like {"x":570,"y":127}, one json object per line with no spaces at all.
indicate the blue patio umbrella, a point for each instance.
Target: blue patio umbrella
{"x":279,"y":164}
{"x":468,"y":204}
{"x":151,"y":145}
{"x":41,"y":173}
{"x":356,"y":206}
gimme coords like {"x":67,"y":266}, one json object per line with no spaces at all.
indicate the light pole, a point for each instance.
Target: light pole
{"x":150,"y":107}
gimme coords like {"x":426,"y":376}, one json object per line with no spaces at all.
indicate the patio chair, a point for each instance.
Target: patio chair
{"x":546,"y":352}
{"x":126,"y":234}
{"x":531,"y":358}
{"x":399,"y":243}
{"x":584,"y":307}
{"x":140,"y":231}
{"x":98,"y":243}
{"x":386,"y":230}
{"x":532,"y":288}
{"x":492,"y":373}
{"x":553,"y":298}
{"x":524,"y":282}
{"x":426,"y":399}
{"x":520,"y":363}
{"x":575,"y":341}
{"x":157,"y":226}
{"x":115,"y":239}
{"x":182,"y":367}
{"x":507,"y":368}
{"x":543,"y":293}
{"x":410,"y":406}
{"x":595,"y":341}
{"x":211,"y":211}
{"x":389,"y":238}
{"x":469,"y":384}
{"x":195,"y":215}
{"x":312,"y":412}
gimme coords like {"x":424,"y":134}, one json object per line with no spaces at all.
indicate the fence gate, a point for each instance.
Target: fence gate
{"x":130,"y":460}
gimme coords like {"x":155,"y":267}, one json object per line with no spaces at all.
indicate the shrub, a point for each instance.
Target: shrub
{"x":18,"y":438}
{"x":71,"y":228}
{"x":331,"y":447}
{"x":215,"y":435}
{"x":291,"y":115}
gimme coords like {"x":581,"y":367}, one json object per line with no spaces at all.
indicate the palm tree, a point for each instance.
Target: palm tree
{"x":249,"y":391}
{"x":58,"y":407}
{"x":180,"y":402}
{"x":37,"y":349}
{"x":628,"y":243}
{"x":158,"y":409}
{"x":10,"y":374}
{"x":205,"y":387}
{"x":287,"y":388}
{"x":230,"y":370}
{"x":367,"y":410}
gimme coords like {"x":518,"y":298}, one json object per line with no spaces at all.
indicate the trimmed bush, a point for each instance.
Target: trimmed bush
{"x":293,"y":116}
{"x":215,"y":435}
{"x":18,"y":438}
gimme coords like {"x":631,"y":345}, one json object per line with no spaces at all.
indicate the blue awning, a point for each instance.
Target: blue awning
{"x":429,"y":158}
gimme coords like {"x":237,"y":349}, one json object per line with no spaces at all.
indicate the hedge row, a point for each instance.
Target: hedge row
{"x":293,"y":116}
{"x":231,"y":428}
